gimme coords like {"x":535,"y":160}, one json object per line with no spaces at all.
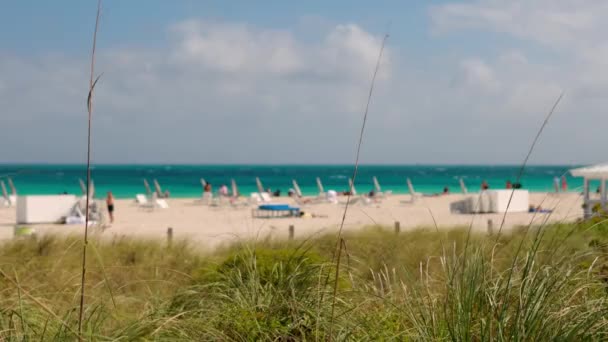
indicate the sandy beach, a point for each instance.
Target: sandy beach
{"x":212,"y":226}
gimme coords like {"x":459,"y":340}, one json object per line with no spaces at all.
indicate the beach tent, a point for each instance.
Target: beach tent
{"x":593,"y":172}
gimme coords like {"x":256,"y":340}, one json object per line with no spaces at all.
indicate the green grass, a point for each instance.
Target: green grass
{"x":541,"y":284}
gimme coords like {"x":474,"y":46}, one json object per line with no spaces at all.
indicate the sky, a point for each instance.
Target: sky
{"x":243,"y":82}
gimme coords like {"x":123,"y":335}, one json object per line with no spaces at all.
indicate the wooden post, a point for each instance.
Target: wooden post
{"x":169,"y":236}
{"x":397,"y":227}
{"x":490,"y":227}
{"x":291,"y":231}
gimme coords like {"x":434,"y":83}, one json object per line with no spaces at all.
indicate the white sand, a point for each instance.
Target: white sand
{"x":210,"y":226}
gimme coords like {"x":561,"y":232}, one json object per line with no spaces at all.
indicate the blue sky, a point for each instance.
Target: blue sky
{"x":285,"y":82}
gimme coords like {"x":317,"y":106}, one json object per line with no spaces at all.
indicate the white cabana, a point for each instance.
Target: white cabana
{"x":594,"y":172}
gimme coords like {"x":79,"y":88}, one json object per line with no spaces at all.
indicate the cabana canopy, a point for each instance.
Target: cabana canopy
{"x":598,"y":171}
{"x":593,"y":172}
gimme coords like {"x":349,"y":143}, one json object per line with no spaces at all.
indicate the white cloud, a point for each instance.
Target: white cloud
{"x":556,"y":23}
{"x":478,"y":74}
{"x":233,"y":92}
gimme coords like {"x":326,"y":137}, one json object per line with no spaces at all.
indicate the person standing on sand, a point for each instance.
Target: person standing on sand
{"x":556,"y":183}
{"x":110,"y":204}
{"x":564,"y":184}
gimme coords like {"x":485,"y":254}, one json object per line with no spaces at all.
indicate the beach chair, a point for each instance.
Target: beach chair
{"x":378,"y":190}
{"x":148,"y":189}
{"x":13,"y":195}
{"x":141,"y":199}
{"x":322,"y":194}
{"x":235,"y":195}
{"x":158,"y":189}
{"x":258,"y":183}
{"x":83,"y":188}
{"x":6,"y":202}
{"x":354,"y":197}
{"x":463,"y":187}
{"x":299,"y":198}
{"x":414,"y":195}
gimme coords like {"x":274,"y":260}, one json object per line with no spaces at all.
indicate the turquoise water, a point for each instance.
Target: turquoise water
{"x":184,"y":180}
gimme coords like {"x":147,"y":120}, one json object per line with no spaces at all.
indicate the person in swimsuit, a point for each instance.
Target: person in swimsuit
{"x":110,"y":203}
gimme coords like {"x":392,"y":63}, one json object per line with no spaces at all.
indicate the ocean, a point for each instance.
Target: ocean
{"x":184,"y":180}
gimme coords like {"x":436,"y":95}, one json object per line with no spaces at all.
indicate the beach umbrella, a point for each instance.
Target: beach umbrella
{"x":147,"y":186}
{"x":463,"y":187}
{"x":351,"y":186}
{"x":258,"y":182}
{"x":235,"y":190}
{"x":376,"y":185}
{"x":12,"y":186}
{"x":296,"y":188}
{"x":320,"y":186}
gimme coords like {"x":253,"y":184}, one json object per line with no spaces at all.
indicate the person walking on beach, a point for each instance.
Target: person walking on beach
{"x":110,"y":204}
{"x":564,"y":184}
{"x":509,"y":185}
{"x":556,"y":183}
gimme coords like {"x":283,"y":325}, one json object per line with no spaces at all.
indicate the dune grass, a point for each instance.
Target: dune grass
{"x":422,"y":284}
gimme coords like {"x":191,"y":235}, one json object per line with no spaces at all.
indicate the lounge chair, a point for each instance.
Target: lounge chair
{"x":148,"y":190}
{"x":378,"y":190}
{"x":258,"y":183}
{"x":354,"y":198}
{"x":13,"y":195}
{"x":414,"y":195}
{"x":6,"y":201}
{"x":141,"y":199}
{"x":321,"y":189}
{"x":158,"y":189}
{"x":463,"y":187}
